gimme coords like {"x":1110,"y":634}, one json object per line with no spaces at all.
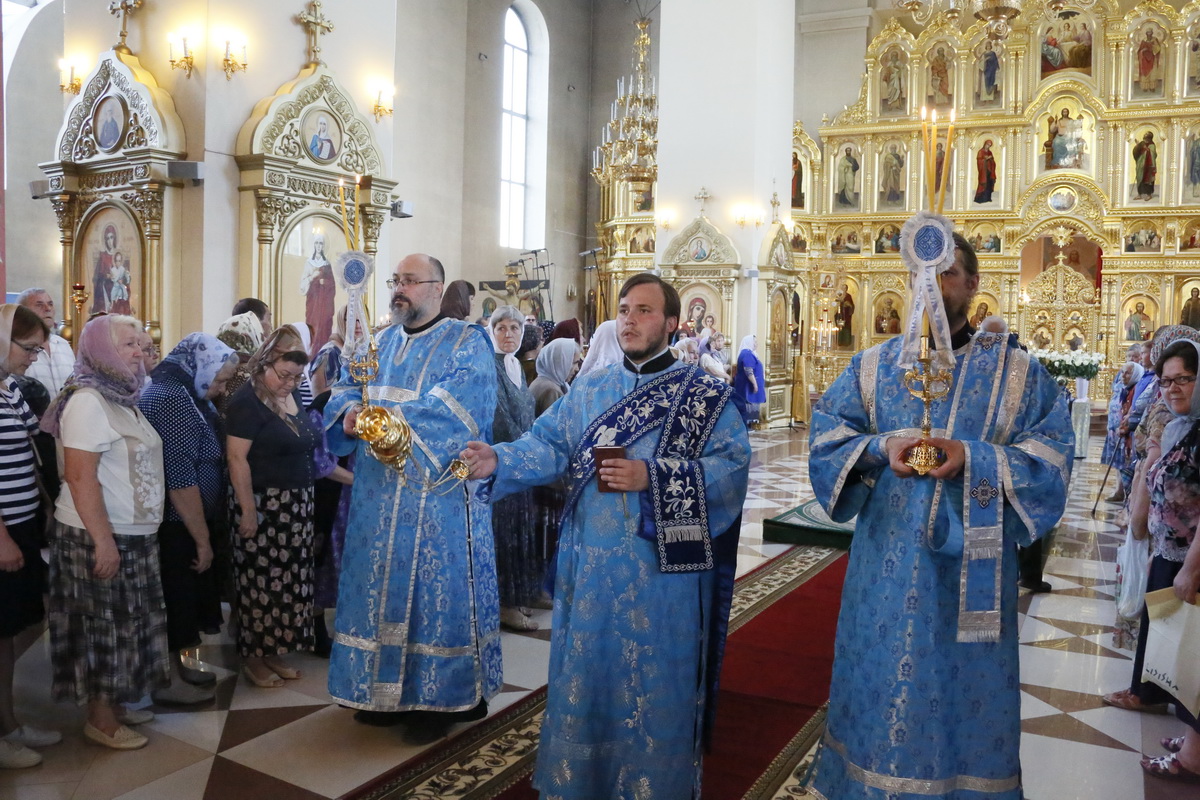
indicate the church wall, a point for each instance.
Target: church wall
{"x":831,"y":43}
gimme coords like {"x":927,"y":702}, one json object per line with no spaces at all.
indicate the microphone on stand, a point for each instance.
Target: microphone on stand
{"x":592,"y":252}
{"x":516,"y":263}
{"x":534,"y":252}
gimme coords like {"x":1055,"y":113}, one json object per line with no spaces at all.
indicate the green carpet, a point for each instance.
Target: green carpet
{"x":807,"y":523}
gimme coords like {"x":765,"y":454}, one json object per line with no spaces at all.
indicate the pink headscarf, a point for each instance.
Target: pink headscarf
{"x":98,"y":366}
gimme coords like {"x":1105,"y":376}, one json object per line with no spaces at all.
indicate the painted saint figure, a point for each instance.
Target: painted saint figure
{"x":321,"y":144}
{"x":989,"y":74}
{"x":1194,"y":165}
{"x":893,"y":175}
{"x":1149,"y":64}
{"x":985,"y":171}
{"x":797,"y":181}
{"x":941,"y":69}
{"x":1191,"y":311}
{"x":1145,"y":156}
{"x":318,"y":286}
{"x":847,"y":168}
{"x":102,"y":282}
{"x":893,"y":83}
{"x":844,"y":318}
{"x":120,"y":277}
{"x":1138,"y":325}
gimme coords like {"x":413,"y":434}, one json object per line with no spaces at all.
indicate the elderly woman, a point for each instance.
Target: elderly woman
{"x":710,"y":358}
{"x":23,"y":337}
{"x":108,"y":640}
{"x":749,"y":385}
{"x":270,"y":443}
{"x":556,"y":366}
{"x":1116,"y":452}
{"x":519,"y":563}
{"x":603,"y":349}
{"x":687,"y":350}
{"x":1166,"y":505}
{"x":178,"y":403}
{"x":244,"y":333}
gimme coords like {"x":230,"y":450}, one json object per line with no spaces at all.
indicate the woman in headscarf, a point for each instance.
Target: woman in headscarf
{"x":710,"y":361}
{"x":108,"y":640}
{"x":519,"y":565}
{"x":456,"y":300}
{"x":23,"y":337}
{"x":1166,"y":506}
{"x":178,"y":403}
{"x":1115,"y":452}
{"x":303,"y":335}
{"x":749,"y":385}
{"x":326,"y":366}
{"x":687,"y":350}
{"x":556,"y":366}
{"x":244,"y":333}
{"x":567,"y":329}
{"x":604,"y":349}
{"x":270,"y":444}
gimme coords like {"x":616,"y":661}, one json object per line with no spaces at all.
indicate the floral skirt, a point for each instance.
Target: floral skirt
{"x":273,"y":571}
{"x":108,"y":638}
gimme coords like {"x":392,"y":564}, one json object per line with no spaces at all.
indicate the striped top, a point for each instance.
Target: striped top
{"x":18,"y":488}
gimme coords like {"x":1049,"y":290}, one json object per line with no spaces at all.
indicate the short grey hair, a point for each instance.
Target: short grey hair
{"x":506,"y":312}
{"x":26,"y":297}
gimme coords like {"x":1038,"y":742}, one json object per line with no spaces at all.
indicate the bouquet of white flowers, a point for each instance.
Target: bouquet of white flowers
{"x":1069,"y":363}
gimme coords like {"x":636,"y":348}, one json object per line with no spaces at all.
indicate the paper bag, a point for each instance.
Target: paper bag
{"x":1173,"y":647}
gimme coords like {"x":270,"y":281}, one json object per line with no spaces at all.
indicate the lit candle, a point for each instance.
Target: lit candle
{"x":171,"y":49}
{"x":226,"y":49}
{"x":345,"y":222}
{"x":244,"y":61}
{"x":357,"y":205}
{"x":185,"y":48}
{"x":946,"y":163}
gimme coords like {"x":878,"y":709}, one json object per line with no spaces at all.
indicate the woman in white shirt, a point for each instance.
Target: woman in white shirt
{"x":108,"y":642}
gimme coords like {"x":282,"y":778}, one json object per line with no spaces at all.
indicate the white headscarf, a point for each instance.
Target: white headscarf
{"x":604,"y":349}
{"x":749,"y":342}
{"x":1177,"y":428}
{"x":305,"y":335}
{"x":512,"y":367}
{"x":555,"y":361}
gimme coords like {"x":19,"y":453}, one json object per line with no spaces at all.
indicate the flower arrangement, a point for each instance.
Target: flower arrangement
{"x":1070,"y":363}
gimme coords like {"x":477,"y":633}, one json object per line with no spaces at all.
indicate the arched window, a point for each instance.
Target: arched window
{"x":522,"y":129}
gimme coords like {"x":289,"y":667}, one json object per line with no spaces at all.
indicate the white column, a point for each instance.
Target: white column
{"x":726,"y":74}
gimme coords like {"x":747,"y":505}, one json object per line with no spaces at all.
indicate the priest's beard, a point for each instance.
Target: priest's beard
{"x":652,"y":348}
{"x":956,"y":312}
{"x":406,"y":312}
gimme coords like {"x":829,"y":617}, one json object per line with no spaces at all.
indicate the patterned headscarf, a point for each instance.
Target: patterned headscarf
{"x":243,"y":333}
{"x":1167,"y":335}
{"x":99,"y":366}
{"x":1177,"y":428}
{"x":547,"y":326}
{"x":555,"y":361}
{"x":195,"y":362}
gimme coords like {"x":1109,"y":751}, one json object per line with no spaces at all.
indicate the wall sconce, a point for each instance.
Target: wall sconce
{"x":67,"y":82}
{"x":379,"y":109}
{"x":744,"y":214}
{"x":665,"y":219}
{"x":185,"y":61}
{"x":230,"y":62}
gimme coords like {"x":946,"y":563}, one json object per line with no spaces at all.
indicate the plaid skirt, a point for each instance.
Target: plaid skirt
{"x":108,"y":638}
{"x":274,"y":574}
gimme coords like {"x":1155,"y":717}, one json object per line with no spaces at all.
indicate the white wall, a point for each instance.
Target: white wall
{"x":831,"y":44}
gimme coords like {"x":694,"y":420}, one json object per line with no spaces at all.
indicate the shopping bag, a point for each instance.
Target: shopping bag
{"x":1173,"y":647}
{"x":1133,"y":561}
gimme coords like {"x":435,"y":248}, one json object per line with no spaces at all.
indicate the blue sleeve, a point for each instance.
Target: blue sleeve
{"x":542,"y":455}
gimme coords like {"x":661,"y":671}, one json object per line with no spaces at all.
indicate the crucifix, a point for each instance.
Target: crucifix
{"x":702,"y":196}
{"x":123,"y":8}
{"x":317,"y":25}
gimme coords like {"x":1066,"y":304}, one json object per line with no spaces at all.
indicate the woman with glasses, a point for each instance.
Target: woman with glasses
{"x":270,"y":441}
{"x":108,"y":626}
{"x":1166,"y":506}
{"x":22,"y":572}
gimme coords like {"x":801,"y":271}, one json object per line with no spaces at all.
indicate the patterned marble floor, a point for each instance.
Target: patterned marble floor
{"x":293,"y":744}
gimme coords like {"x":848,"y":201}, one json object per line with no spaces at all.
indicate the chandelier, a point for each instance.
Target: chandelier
{"x":998,"y":14}
{"x":628,"y":147}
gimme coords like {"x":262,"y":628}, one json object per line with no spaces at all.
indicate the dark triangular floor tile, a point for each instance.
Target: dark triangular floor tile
{"x":1063,"y":699}
{"x":1076,"y":645}
{"x":242,"y":726}
{"x":230,"y":780}
{"x":1064,"y":726}
{"x":508,"y":687}
{"x":1083,"y":580}
{"x":1077,"y":628}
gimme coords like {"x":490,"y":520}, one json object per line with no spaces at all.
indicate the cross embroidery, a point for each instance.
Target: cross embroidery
{"x":984,"y":493}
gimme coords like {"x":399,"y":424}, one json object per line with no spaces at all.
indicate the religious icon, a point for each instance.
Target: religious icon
{"x":642,"y":241}
{"x":1075,"y":340}
{"x":844,"y":318}
{"x":847,"y":179}
{"x":1041,"y":338}
{"x":887,"y":315}
{"x":322,"y":135}
{"x":799,"y":243}
{"x":987,"y":75}
{"x":1190,"y":315}
{"x":893,"y":82}
{"x":1138,"y":325}
{"x":1193,"y":168}
{"x":982,"y":311}
{"x":1145,"y":167}
{"x":1067,"y":44}
{"x":985,"y":173}
{"x":489,"y":306}
{"x":698,"y":248}
{"x":108,"y":122}
{"x":986,"y":240}
{"x":644,"y":200}
{"x":1064,"y":146}
{"x":1193,"y":64}
{"x":701,"y":304}
{"x":797,"y":181}
{"x":111,"y":257}
{"x":1149,"y":59}
{"x":1062,"y":199}
{"x":940,"y":91}
{"x":828,"y":280}
{"x":891,"y":176}
{"x":1143,"y":237}
{"x":888,"y":240}
{"x":319,"y":290}
{"x":696,"y":307}
{"x":845,"y":241}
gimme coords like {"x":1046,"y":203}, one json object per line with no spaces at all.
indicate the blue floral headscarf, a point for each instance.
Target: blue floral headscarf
{"x":194,"y":363}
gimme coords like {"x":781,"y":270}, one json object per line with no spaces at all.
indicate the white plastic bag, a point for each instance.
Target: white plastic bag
{"x":1133,"y":562}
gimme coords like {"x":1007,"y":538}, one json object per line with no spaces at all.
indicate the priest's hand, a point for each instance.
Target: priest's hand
{"x":956,"y":456}
{"x":481,"y":459}
{"x":350,"y":419}
{"x":625,"y":475}
{"x":897,"y":450}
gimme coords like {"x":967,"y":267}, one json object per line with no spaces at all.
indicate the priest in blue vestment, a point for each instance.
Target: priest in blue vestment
{"x":645,"y":560}
{"x":925,"y":699}
{"x":417,"y":636}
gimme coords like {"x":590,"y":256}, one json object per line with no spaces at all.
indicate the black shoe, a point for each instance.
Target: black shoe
{"x":382,"y":719}
{"x":1041,"y":587}
{"x":324,"y":644}
{"x":424,"y":727}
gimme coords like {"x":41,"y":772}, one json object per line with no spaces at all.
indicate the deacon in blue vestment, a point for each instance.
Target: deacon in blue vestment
{"x":418,"y":618}
{"x":925,"y":699}
{"x":645,"y":573}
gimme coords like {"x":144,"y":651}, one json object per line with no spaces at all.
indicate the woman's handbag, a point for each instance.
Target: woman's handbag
{"x":1173,"y":647}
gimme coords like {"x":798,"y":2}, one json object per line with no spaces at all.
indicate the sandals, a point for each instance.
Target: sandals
{"x":281,"y":669}
{"x":271,"y":681}
{"x":516,"y":620}
{"x":1169,"y":768}
{"x":1130,"y":702}
{"x":1172,"y":745}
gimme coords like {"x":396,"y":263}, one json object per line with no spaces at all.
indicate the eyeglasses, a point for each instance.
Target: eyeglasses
{"x":292,"y":379}
{"x":407,"y":283}
{"x":1180,"y":381}
{"x":38,"y":349}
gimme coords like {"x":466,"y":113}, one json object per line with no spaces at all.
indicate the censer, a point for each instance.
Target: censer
{"x":388,"y":436}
